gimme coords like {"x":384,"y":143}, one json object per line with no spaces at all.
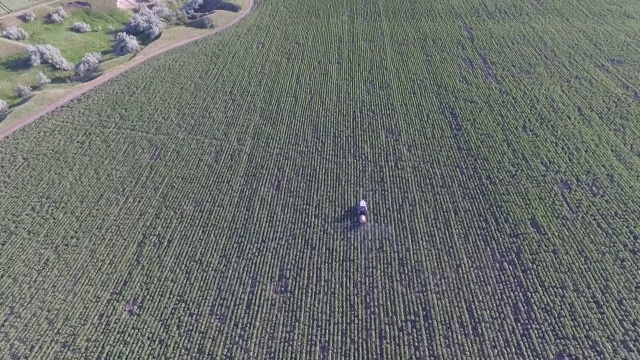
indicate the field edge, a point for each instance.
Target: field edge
{"x":50,"y":99}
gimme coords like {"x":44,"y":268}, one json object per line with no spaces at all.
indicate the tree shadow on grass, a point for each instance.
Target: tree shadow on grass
{"x":61,"y":80}
{"x":145,"y":39}
{"x":5,"y":114}
{"x":16,"y":64}
{"x":202,"y":23}
{"x":210,"y":6}
{"x":22,"y":101}
{"x":106,"y":52}
{"x":115,"y":32}
{"x":80,"y":5}
{"x":89,"y":77}
{"x":229,"y":7}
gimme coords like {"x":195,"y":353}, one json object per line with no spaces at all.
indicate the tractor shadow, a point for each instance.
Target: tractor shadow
{"x":348,"y":221}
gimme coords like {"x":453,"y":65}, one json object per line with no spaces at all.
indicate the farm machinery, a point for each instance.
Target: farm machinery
{"x":356,"y":221}
{"x":363,"y":212}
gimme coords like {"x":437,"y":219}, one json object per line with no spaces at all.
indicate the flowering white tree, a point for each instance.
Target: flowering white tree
{"x":145,"y":21}
{"x":126,"y":44}
{"x":42,"y":79}
{"x":28,"y":16}
{"x":81,"y":27}
{"x":88,"y":63}
{"x":47,"y":54}
{"x":22,"y":91}
{"x":15,"y":33}
{"x":57,"y":15}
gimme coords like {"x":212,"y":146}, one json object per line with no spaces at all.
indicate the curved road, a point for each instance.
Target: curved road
{"x":110,"y":75}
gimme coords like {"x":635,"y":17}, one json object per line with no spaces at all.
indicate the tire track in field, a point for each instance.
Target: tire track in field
{"x":117,"y":71}
{"x":5,"y":8}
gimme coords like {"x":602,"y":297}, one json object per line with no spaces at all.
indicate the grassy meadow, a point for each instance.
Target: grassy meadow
{"x":105,"y":23}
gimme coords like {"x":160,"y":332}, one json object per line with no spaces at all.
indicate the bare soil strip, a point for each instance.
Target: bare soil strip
{"x":115,"y":72}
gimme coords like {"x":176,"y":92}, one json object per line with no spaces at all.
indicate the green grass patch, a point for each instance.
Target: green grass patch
{"x":104,"y":26}
{"x":105,"y":22}
{"x":16,"y":70}
{"x":8,"y":79}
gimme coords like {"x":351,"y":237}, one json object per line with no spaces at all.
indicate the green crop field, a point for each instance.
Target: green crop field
{"x":200,"y":206}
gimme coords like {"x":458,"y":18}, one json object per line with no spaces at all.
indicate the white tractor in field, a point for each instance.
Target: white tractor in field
{"x":363,"y":212}
{"x":355,"y":221}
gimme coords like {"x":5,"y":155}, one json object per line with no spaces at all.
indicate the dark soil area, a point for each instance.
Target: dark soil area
{"x":130,"y":308}
{"x":595,"y":188}
{"x":281,"y":285}
{"x":565,"y":185}
{"x":469,"y":30}
{"x":616,"y":62}
{"x":155,"y":155}
{"x":535,"y":226}
{"x":468,"y":64}
{"x":489,"y":72}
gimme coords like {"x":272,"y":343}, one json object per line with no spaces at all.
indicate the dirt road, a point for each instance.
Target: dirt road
{"x":22,"y":11}
{"x":115,"y":72}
